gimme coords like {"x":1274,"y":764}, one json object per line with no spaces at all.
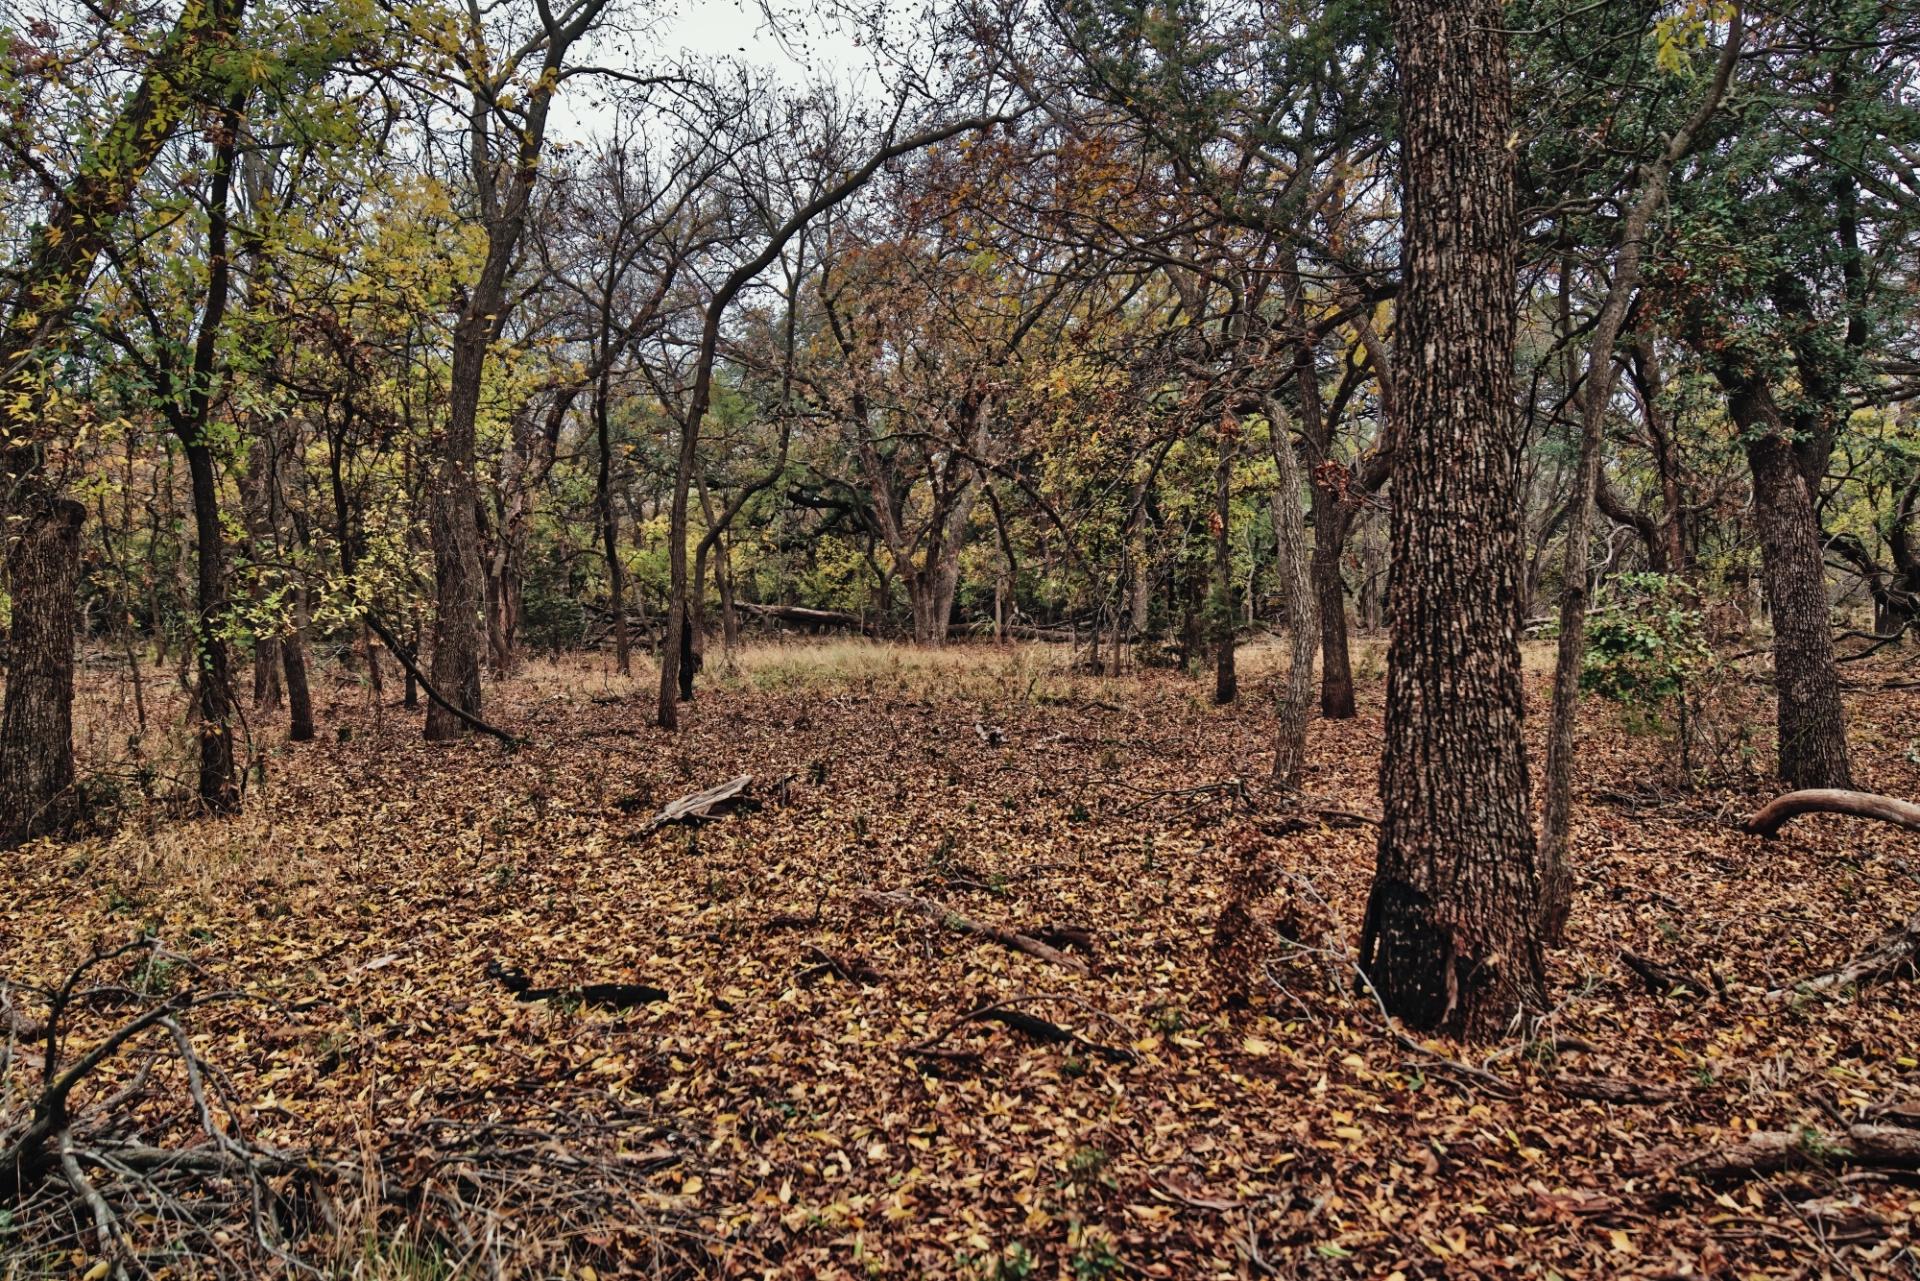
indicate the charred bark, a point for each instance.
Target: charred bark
{"x":1450,"y":938}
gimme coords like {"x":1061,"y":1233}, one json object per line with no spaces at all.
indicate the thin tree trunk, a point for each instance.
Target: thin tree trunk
{"x":609,"y":528}
{"x":1226,"y":681}
{"x":1556,"y":872}
{"x":1295,"y":566}
{"x":293,"y":656}
{"x":1450,"y":940}
{"x":219,"y":787}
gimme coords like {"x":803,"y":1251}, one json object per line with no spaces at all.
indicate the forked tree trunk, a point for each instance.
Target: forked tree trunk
{"x":1450,"y":938}
{"x":36,"y":728}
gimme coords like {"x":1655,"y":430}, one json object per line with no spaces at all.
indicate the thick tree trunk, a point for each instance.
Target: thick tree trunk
{"x":459,"y":624}
{"x":1812,"y":723}
{"x":36,"y":728}
{"x":1450,"y":939}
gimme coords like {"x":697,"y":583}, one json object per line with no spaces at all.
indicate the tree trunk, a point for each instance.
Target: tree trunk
{"x":610,"y":530}
{"x":1296,"y":577}
{"x":1812,"y":723}
{"x":213,"y":691}
{"x":459,"y":623}
{"x":1450,"y":938}
{"x":1226,"y":681}
{"x":1556,"y":872}
{"x":36,"y":728}
{"x":219,"y":788}
{"x":1336,"y":667}
{"x":293,"y":656}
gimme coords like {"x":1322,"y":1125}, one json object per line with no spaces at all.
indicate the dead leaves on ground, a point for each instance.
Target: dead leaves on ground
{"x":1096,"y":1105}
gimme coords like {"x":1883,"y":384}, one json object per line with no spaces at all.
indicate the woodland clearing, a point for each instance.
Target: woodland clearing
{"x":416,"y":935}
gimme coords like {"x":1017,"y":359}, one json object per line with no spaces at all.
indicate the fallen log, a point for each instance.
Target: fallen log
{"x":1772,"y":1151}
{"x":1833,"y":800}
{"x":943,"y":915}
{"x":699,"y":805}
{"x":1894,"y":953}
{"x":801,"y":615}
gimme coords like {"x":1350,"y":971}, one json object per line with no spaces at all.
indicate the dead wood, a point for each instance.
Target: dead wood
{"x":1905,"y":1113}
{"x":952,"y":920}
{"x":1664,"y":980}
{"x":602,"y":996}
{"x":848,"y":969}
{"x":1614,"y":1089}
{"x":1068,"y":938}
{"x":1771,"y":1151}
{"x":1833,"y":800}
{"x":1893,"y":954}
{"x":698,"y":806}
{"x":1007,"y":1014}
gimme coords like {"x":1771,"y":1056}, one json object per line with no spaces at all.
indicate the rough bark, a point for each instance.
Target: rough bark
{"x":43,"y":554}
{"x":1450,"y":938}
{"x":1296,"y":572}
{"x":36,"y":736}
{"x":1811,"y":721}
{"x":293,"y":656}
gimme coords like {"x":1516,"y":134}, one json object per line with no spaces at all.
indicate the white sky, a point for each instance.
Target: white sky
{"x":813,"y":46}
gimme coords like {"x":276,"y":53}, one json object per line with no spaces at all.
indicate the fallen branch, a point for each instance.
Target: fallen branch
{"x":1664,"y":980}
{"x":406,"y":660}
{"x":1009,"y":1015}
{"x":1894,"y":953}
{"x":603,"y":996}
{"x":952,"y":920}
{"x":848,"y":969}
{"x":1771,"y":1151}
{"x":1833,"y":800}
{"x":1614,"y":1089}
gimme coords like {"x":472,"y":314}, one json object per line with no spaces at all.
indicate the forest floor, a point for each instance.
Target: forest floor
{"x":809,"y":1098}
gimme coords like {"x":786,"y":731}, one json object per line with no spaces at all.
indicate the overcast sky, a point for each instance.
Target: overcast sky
{"x":812,"y":46}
